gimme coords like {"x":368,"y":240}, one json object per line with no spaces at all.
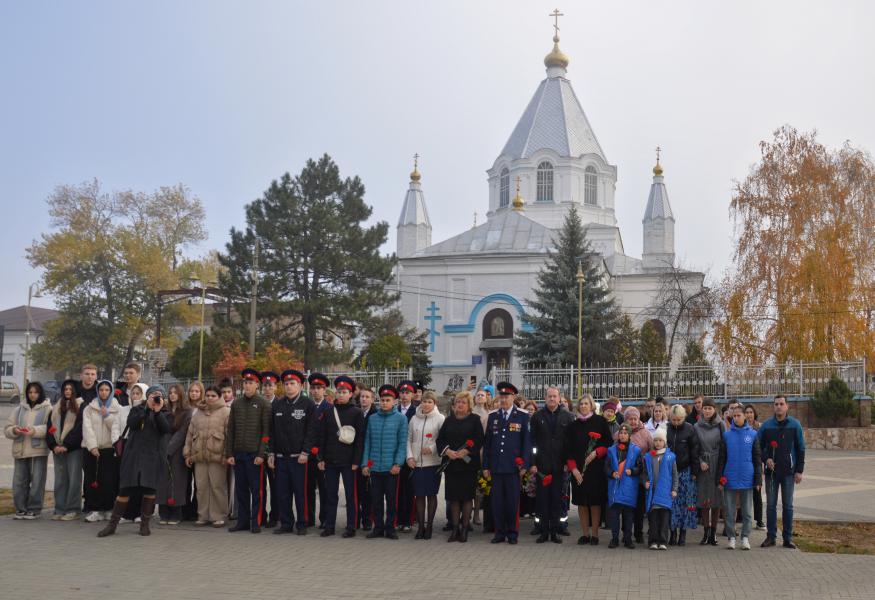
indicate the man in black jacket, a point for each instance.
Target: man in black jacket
{"x":269,"y":381}
{"x":293,"y":434}
{"x":548,"y":432}
{"x":340,"y":456}
{"x":316,"y":477}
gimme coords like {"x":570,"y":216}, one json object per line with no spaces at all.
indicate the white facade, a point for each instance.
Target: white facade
{"x":471,"y":290}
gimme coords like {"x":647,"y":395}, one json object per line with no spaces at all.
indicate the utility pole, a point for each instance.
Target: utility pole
{"x":252,"y":307}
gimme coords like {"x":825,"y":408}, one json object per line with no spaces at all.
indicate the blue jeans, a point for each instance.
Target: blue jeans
{"x":29,"y":484}
{"x":68,"y":482}
{"x":729,"y":511}
{"x":786,"y":484}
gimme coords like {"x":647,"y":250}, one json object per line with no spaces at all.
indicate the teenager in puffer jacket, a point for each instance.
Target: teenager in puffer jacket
{"x":739,"y":471}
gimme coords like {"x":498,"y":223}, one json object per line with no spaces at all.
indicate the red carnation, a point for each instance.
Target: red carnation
{"x":691,"y":509}
{"x":774,"y":444}
{"x":469,"y":443}
{"x":265,"y":440}
{"x":595,"y":435}
{"x":548,"y":479}
{"x":370,"y":463}
{"x":94,"y":485}
{"x":621,"y":446}
{"x":428,"y":435}
{"x":171,"y":502}
{"x":653,"y":453}
{"x":118,"y":392}
{"x":571,"y":464}
{"x":723,"y":481}
{"x":314,"y":450}
{"x":53,"y":429}
{"x":519,"y":461}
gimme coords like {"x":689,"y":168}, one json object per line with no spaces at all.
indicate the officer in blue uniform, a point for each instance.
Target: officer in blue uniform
{"x":316,"y":478}
{"x":507,"y":452}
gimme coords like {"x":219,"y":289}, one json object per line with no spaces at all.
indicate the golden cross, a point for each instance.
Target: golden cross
{"x":658,"y":150}
{"x":415,"y":161}
{"x":556,"y":14}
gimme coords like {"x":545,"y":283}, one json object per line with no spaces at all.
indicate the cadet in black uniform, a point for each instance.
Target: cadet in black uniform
{"x":315,"y":477}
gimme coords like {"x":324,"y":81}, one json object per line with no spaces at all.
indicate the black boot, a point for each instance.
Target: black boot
{"x":454,"y":536}
{"x":713,"y":539}
{"x":118,"y":509}
{"x":682,"y":537}
{"x":463,"y":534}
{"x":706,"y":537}
{"x":426,"y":535}
{"x":673,"y":537}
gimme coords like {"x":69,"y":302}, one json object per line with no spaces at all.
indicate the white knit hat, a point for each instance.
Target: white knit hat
{"x":660,"y":434}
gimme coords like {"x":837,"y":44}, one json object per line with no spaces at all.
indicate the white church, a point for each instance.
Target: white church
{"x":470,"y":291}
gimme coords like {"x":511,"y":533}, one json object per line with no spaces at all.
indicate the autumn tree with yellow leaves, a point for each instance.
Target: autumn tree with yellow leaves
{"x":104,"y":259}
{"x":803,"y":283}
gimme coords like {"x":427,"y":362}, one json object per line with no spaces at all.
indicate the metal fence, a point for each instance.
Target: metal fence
{"x":720,"y":381}
{"x":371,"y":379}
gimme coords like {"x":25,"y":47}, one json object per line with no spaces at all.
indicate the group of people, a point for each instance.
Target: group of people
{"x":217,"y":457}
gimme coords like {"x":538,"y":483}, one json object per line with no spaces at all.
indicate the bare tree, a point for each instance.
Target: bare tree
{"x":684,"y":304}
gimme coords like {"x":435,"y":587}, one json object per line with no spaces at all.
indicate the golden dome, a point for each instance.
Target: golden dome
{"x":415,"y":175}
{"x":556,"y":58}
{"x":657,"y":170}
{"x":517,"y":199}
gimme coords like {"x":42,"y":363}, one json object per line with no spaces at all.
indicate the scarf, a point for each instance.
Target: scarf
{"x":586,"y":418}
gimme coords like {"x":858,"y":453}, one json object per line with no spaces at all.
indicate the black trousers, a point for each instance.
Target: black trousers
{"x":548,"y":504}
{"x":333,"y":476}
{"x":659,"y":519}
{"x":615,"y":513}
{"x":270,"y":490}
{"x":315,"y":480}
{"x":384,"y":492}
{"x":757,"y":506}
{"x":249,"y":488}
{"x":639,"y":511}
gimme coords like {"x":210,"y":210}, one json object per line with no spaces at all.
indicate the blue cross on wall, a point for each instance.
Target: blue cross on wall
{"x":432,"y":327}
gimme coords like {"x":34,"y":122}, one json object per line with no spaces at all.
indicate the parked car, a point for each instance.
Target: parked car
{"x":9,"y":392}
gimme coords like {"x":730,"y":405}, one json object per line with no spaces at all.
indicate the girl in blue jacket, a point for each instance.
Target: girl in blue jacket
{"x":623,"y":467}
{"x":661,"y":482}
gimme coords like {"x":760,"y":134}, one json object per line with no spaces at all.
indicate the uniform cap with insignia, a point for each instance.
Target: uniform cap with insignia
{"x":419,"y":385}
{"x":269,"y":377}
{"x":317,"y":379}
{"x":251,"y":375}
{"x":388,"y":390}
{"x":292,"y":374}
{"x":407,"y":386}
{"x":505,"y":388}
{"x":343,"y":382}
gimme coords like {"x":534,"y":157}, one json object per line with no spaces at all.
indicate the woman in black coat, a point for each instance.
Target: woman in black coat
{"x":683,"y":441}
{"x":459,"y":441}
{"x":142,"y":460}
{"x":586,"y":443}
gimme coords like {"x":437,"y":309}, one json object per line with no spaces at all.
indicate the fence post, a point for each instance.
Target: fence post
{"x":648,"y":381}
{"x":409,"y":372}
{"x":571,"y":387}
{"x":385,"y":375}
{"x":864,"y":375}
{"x":800,"y":379}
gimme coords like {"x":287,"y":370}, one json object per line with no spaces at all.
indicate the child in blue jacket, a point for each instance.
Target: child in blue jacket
{"x":623,"y":467}
{"x":660,"y":476}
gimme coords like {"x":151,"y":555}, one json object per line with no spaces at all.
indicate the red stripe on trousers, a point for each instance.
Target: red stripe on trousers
{"x":260,"y":493}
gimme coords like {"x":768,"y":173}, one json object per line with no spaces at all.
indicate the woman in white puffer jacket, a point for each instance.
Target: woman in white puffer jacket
{"x":423,"y":458}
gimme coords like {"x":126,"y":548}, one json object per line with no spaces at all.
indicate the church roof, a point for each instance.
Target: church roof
{"x":413,"y":211}
{"x":658,"y":206}
{"x":508,"y":233}
{"x":554,"y":119}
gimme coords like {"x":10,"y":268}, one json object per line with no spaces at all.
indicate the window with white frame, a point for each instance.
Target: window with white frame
{"x":504,"y":188}
{"x":6,"y":368}
{"x":590,"y":186}
{"x":545,"y":183}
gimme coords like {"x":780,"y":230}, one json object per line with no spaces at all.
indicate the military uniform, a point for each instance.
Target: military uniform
{"x":270,"y":485}
{"x":406,"y":499}
{"x":315,"y":477}
{"x":506,"y":451}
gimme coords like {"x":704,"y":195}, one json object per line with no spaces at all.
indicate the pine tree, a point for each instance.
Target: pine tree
{"x":554,"y":310}
{"x":320,"y":271}
{"x":651,"y":346}
{"x":391,"y":324}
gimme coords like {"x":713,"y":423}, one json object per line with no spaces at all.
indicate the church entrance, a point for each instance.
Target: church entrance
{"x":497,"y":339}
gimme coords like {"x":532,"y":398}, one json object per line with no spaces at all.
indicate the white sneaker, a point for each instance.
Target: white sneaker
{"x":120,"y":521}
{"x":654,"y":547}
{"x":57,"y":517}
{"x":137,"y":520}
{"x":731,"y":545}
{"x":745,"y":543}
{"x":19,"y":515}
{"x":69,"y":517}
{"x":663,"y":547}
{"x":29,"y":515}
{"x":93,"y":517}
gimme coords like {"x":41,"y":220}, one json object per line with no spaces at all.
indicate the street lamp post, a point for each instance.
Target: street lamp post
{"x":32,"y":292}
{"x":579,"y":330}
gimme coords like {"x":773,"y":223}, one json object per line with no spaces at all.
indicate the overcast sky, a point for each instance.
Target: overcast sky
{"x":226,"y":96}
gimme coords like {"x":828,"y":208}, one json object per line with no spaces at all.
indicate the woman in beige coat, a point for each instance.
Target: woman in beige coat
{"x":423,"y":458}
{"x":205,"y":450}
{"x":27,"y":427}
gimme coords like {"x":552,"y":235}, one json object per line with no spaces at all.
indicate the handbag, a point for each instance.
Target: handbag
{"x":345,"y":433}
{"x":119,"y":445}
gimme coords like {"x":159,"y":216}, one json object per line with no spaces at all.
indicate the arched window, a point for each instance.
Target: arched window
{"x":590,"y":186}
{"x":497,"y":324}
{"x":545,"y":182}
{"x":504,"y":188}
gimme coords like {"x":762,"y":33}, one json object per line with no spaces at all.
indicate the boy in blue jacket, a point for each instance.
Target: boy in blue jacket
{"x":660,"y":477}
{"x":623,"y":467}
{"x":739,"y":470}
{"x":385,"y":452}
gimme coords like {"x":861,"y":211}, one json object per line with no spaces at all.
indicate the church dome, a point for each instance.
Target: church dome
{"x":556,"y":58}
